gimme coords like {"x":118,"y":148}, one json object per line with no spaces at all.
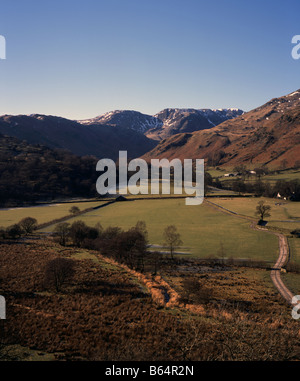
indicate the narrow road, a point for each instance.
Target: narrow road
{"x":275,"y":273}
{"x":283,"y":252}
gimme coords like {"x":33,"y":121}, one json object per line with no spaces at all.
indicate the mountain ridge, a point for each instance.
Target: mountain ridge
{"x":269,"y":134}
{"x":58,"y":132}
{"x":107,"y":134}
{"x":166,"y":122}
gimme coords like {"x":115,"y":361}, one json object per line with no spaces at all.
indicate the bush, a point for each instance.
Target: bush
{"x":74,"y":210}
{"x":293,"y":267}
{"x":296,"y":232}
{"x":14,"y":231}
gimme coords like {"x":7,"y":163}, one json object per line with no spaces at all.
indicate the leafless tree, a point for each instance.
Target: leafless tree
{"x":62,"y":231}
{"x":262,"y":210}
{"x":58,"y":271}
{"x":172,"y":239}
{"x":28,"y":224}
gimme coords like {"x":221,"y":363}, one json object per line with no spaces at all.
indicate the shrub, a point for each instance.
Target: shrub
{"x":74,"y":210}
{"x":14,"y":231}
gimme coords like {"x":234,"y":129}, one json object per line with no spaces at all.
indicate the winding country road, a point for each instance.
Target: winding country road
{"x":283,"y":257}
{"x":281,"y":261}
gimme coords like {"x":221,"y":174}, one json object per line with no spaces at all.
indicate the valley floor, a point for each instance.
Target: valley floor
{"x":215,"y":301}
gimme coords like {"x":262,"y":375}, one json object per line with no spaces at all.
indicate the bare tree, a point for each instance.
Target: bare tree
{"x":78,"y":232}
{"x":156,"y":261}
{"x":62,"y":231}
{"x":221,"y":252}
{"x":28,"y":224}
{"x":99,"y":228}
{"x":172,"y":239}
{"x":262,"y":210}
{"x":142,"y":228}
{"x":58,"y":271}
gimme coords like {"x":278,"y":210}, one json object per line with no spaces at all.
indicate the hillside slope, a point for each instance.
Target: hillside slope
{"x":269,"y":134}
{"x":55,"y":132}
{"x":175,"y":121}
{"x":33,"y":173}
{"x":106,"y":135}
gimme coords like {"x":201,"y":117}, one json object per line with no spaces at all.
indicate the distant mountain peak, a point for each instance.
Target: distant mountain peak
{"x":105,"y":135}
{"x":128,"y":119}
{"x":179,"y":120}
{"x":167,"y":122}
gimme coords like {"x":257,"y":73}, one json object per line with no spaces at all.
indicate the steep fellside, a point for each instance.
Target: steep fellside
{"x":269,"y":134}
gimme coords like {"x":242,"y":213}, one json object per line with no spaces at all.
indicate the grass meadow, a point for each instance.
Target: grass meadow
{"x":294,"y":244}
{"x":203,"y":229}
{"x":285,"y":214}
{"x":43,"y":213}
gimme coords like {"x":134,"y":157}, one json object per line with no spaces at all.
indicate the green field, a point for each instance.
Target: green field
{"x":41,"y":213}
{"x":216,"y":173}
{"x":284,"y":214}
{"x":203,"y":228}
{"x":294,"y":244}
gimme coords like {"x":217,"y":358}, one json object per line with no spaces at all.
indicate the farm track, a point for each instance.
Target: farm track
{"x":283,"y":257}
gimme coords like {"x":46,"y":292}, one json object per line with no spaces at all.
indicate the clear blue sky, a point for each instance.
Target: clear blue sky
{"x":79,"y":59}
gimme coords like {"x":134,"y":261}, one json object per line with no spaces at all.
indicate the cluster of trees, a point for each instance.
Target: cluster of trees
{"x":26,"y":226}
{"x":289,"y":189}
{"x":244,"y":172}
{"x":129,"y":247}
{"x":79,"y":233}
{"x":31,"y":173}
